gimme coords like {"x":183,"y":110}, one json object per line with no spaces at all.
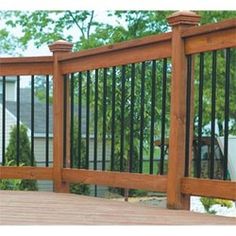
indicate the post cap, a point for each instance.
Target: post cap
{"x":183,"y":18}
{"x":61,"y":46}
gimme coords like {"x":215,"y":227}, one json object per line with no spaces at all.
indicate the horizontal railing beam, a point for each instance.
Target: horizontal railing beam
{"x":148,"y":48}
{"x":209,"y":28}
{"x":116,"y":179}
{"x":215,"y":40}
{"x":210,"y":37}
{"x":26,"y":172}
{"x":26,"y":66}
{"x":209,"y":188}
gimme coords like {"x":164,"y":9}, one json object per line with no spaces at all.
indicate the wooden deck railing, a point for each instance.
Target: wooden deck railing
{"x":186,"y":39}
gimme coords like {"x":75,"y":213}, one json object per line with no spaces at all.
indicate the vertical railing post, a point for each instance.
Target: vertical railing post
{"x":58,"y":48}
{"x":178,"y":21}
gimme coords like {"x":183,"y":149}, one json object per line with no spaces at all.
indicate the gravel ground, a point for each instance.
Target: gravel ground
{"x":196,"y":205}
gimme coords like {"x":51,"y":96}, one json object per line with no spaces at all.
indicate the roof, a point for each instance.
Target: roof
{"x":25,"y":96}
{"x":39,"y":113}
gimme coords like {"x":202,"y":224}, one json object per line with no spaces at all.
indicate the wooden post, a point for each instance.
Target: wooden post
{"x":179,"y":21}
{"x":58,"y":48}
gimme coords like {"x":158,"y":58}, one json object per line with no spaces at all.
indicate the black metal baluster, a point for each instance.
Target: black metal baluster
{"x":87,"y":119}
{"x":18,"y":120}
{"x":32,"y":121}
{"x":104,"y":119}
{"x":3,"y":119}
{"x":95,"y":191}
{"x":79,"y":118}
{"x":200,"y":104}
{"x":163,"y":116}
{"x":153,"y":99}
{"x":47,"y":121}
{"x":213,"y":111}
{"x":71,"y":120}
{"x":113,"y":117}
{"x":95,"y":122}
{"x":131,"y":151}
{"x":226,"y":122}
{"x":188,"y":114}
{"x":142,"y":117}
{"x":122,"y":120}
{"x":64,"y":120}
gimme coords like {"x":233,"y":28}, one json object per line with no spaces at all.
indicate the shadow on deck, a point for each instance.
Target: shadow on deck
{"x":44,"y":208}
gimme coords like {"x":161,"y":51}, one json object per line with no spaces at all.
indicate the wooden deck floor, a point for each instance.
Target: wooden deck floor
{"x":43,"y":208}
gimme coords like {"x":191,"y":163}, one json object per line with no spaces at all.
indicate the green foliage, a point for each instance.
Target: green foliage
{"x":44,"y":27}
{"x":24,"y":146}
{"x":10,"y":184}
{"x":209,"y":202}
{"x":24,"y":154}
{"x":78,"y":188}
{"x":40,"y":89}
{"x":220,"y":91}
{"x":9,"y":44}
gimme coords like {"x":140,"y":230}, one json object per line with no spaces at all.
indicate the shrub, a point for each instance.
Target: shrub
{"x":24,"y":154}
{"x":10,"y":184}
{"x":209,"y":202}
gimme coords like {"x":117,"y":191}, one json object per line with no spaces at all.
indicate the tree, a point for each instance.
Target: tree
{"x":44,"y":27}
{"x":24,"y":154}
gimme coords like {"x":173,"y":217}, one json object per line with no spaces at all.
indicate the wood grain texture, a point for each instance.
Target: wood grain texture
{"x":41,"y":208}
{"x":116,"y":179}
{"x":153,"y":39}
{"x":116,"y":55}
{"x":26,"y":172}
{"x":58,"y":48}
{"x":209,"y":28}
{"x":211,"y":41}
{"x":26,"y":66}
{"x":209,"y":188}
{"x":175,"y":199}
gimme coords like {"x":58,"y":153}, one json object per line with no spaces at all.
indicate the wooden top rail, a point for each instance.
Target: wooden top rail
{"x":210,"y":37}
{"x":147,"y":48}
{"x":26,"y":66}
{"x":197,"y":30}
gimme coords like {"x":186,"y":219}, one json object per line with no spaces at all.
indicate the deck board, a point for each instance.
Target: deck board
{"x":46,"y":208}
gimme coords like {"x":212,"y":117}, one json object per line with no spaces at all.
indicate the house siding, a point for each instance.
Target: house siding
{"x":10,"y":92}
{"x":10,"y":122}
{"x":10,"y":89}
{"x":40,"y":151}
{"x":40,"y":161}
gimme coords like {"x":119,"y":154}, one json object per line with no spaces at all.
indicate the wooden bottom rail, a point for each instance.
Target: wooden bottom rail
{"x":116,"y":179}
{"x":209,"y":188}
{"x":189,"y":186}
{"x":26,"y":172}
